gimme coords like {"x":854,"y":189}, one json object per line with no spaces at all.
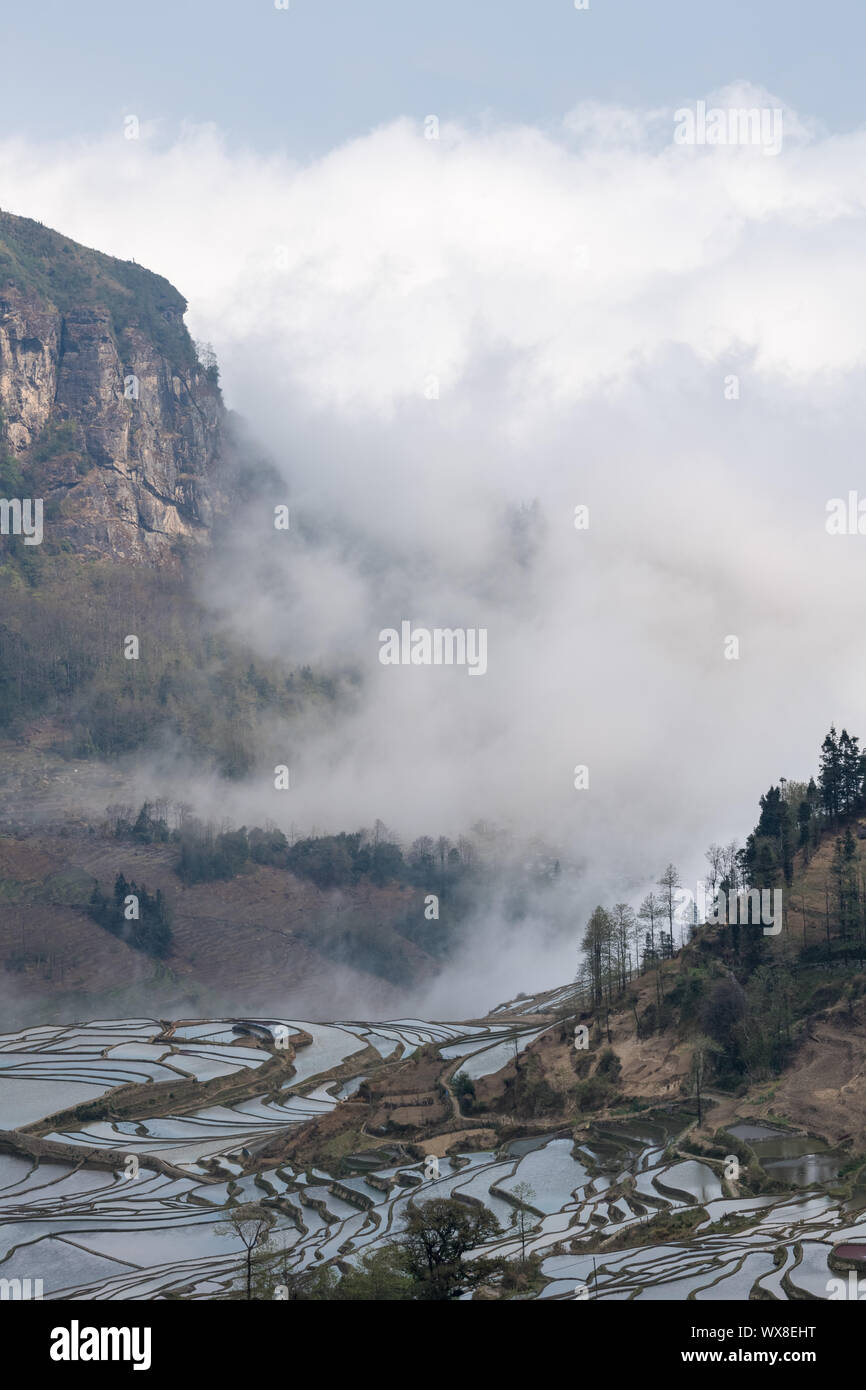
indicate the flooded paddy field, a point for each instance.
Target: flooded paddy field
{"x":796,"y":1158}
{"x":114,"y":1207}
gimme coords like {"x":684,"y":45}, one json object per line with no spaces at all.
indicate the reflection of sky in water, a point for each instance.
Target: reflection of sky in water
{"x":59,"y":1264}
{"x":810,"y":1168}
{"x":479,"y":1186}
{"x":695,"y":1178}
{"x":552,"y":1173}
{"x":329,"y":1048}
{"x":349,"y":1088}
{"x":23,"y":1101}
{"x":738,"y":1283}
{"x":813,"y":1273}
{"x":485,"y":1063}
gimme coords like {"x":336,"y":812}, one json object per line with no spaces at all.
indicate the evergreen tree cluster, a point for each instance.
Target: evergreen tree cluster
{"x":141,"y":919}
{"x":794,"y":815}
{"x":329,"y":861}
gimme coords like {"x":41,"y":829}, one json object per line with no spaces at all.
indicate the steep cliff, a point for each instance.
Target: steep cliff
{"x":107,"y":413}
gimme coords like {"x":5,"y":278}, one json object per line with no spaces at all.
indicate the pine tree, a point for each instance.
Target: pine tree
{"x":850,"y":773}
{"x":830,"y":776}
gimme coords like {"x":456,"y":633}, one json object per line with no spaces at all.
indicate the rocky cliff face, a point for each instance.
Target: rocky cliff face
{"x":107,"y":413}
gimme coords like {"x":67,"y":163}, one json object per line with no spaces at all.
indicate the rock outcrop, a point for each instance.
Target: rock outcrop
{"x":107,"y":412}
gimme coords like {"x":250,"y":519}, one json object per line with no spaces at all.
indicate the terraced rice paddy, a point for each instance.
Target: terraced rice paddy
{"x":136,"y":1233}
{"x":796,"y":1158}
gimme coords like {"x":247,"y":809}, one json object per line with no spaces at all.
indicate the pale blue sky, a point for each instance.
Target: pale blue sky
{"x":305,"y":79}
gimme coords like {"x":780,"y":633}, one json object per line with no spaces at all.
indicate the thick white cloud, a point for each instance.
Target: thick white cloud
{"x":581,"y":295}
